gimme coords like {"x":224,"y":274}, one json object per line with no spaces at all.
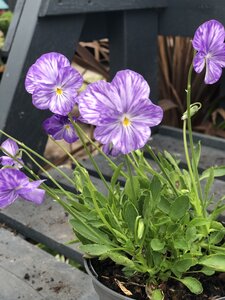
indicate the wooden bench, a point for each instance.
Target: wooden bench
{"x":48,"y":224}
{"x":42,"y":26}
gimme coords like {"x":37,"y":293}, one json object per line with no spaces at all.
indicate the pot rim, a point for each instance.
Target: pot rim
{"x":90,"y":270}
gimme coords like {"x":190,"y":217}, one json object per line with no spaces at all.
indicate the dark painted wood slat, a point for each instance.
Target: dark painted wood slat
{"x":53,"y":7}
{"x":27,"y":272}
{"x":183,"y":17}
{"x":131,"y":47}
{"x":18,"y":116}
{"x":47,"y":223}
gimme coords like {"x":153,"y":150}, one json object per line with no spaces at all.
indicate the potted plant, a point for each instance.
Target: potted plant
{"x":151,"y":230}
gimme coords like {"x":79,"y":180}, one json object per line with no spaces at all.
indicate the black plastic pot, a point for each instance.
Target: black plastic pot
{"x":103,"y":291}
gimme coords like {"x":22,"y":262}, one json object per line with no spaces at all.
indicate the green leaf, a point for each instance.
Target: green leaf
{"x":155,"y":189}
{"x":123,"y":260}
{"x":198,"y":221}
{"x":95,"y":249}
{"x":130,"y":214}
{"x":157,"y":295}
{"x":172,"y":161}
{"x":181,"y":244}
{"x":207,"y":271}
{"x":116,"y":174}
{"x":164,"y":205}
{"x":209,"y":183}
{"x":89,"y":232}
{"x":192,"y":284}
{"x":214,"y":261}
{"x":157,"y":245}
{"x":179,"y":207}
{"x":197,"y":153}
{"x":183,"y":265}
{"x":218,"y":172}
{"x":132,"y":188}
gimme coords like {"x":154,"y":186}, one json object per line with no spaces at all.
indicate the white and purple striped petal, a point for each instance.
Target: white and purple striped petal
{"x":121,"y":112}
{"x":53,"y":83}
{"x":209,"y":42}
{"x":10,"y":147}
{"x":15,"y":184}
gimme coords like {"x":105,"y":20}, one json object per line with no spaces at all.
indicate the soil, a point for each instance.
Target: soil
{"x":112,"y":276}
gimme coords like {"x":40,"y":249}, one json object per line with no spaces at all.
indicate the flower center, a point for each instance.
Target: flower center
{"x":126,"y":121}
{"x":59,"y":91}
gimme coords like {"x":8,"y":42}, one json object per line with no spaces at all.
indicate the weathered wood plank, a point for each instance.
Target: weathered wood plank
{"x":52,"y":7}
{"x":27,"y":272}
{"x":47,"y":223}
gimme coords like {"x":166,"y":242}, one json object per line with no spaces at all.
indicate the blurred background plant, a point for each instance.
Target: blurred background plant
{"x":5,"y":19}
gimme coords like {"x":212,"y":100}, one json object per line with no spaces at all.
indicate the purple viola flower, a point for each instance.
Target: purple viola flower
{"x":15,"y":184}
{"x":60,"y":127}
{"x":12,"y":148}
{"x":121,"y":111}
{"x":53,"y":83}
{"x":209,"y":43}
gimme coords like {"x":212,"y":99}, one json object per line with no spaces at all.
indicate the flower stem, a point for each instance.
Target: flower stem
{"x":83,"y":134}
{"x":198,"y":190}
{"x":39,"y":156}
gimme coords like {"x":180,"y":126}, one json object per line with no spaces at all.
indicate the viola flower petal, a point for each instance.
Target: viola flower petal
{"x":45,"y":70}
{"x":121,"y":115}
{"x":53,"y":83}
{"x":209,"y":42}
{"x":12,"y":148}
{"x":131,"y":87}
{"x":15,"y":184}
{"x":59,"y":127}
{"x":99,"y":97}
{"x":213,"y":72}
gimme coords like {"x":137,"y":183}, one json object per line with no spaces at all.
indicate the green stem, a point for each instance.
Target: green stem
{"x":197,"y":203}
{"x":83,"y":134}
{"x":66,"y":151}
{"x":48,"y":174}
{"x":81,"y":137}
{"x":39,"y":156}
{"x":190,"y":134}
{"x":130,"y":173}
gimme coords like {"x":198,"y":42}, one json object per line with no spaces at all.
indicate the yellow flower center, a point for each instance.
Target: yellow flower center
{"x":59,"y":91}
{"x":126,"y":121}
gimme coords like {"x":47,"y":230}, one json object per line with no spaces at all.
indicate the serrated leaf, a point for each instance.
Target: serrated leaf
{"x":192,"y":284}
{"x":95,"y":249}
{"x":179,"y":207}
